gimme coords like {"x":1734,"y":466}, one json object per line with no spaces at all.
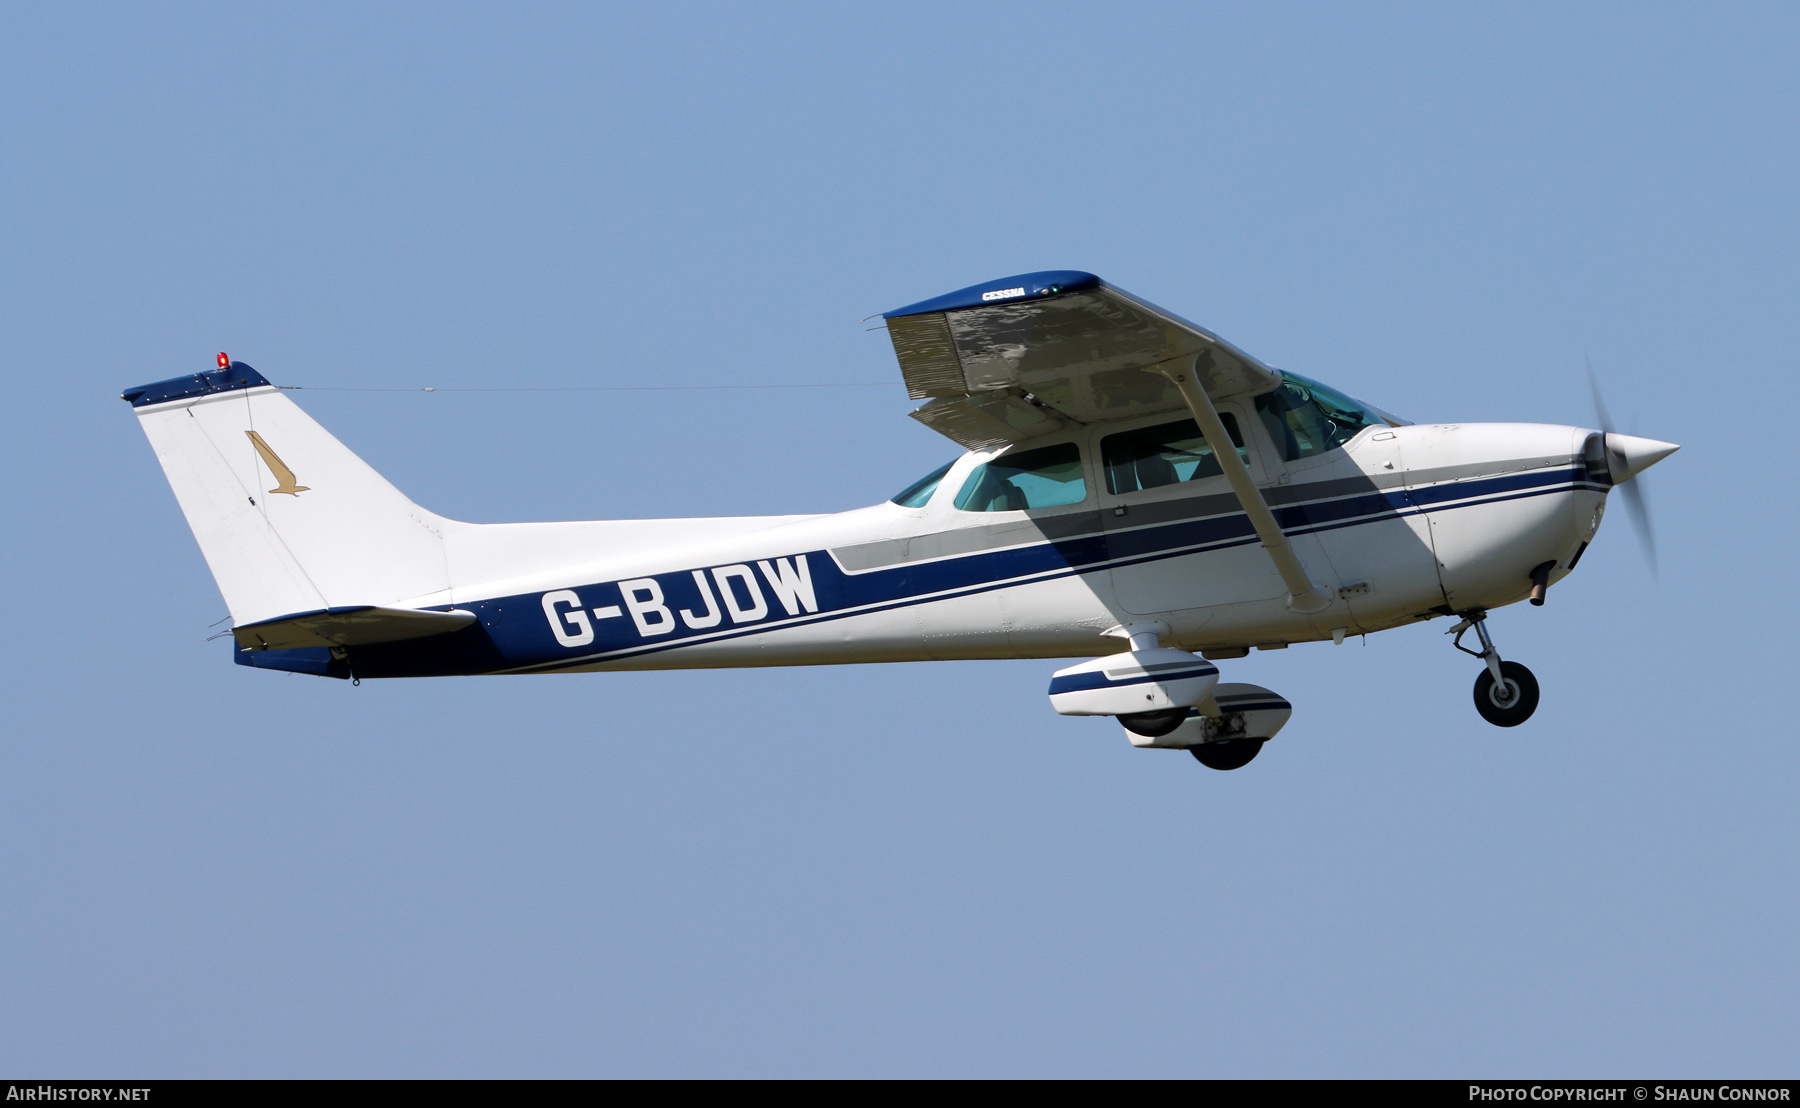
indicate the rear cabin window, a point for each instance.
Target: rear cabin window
{"x":1166,"y":454}
{"x":919,"y":492}
{"x":1047,"y":477}
{"x":1306,"y":418}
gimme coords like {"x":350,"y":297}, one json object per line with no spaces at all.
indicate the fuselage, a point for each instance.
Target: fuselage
{"x":1398,"y":524}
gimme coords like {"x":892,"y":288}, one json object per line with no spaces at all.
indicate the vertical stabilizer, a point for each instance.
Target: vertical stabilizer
{"x":288,"y":518}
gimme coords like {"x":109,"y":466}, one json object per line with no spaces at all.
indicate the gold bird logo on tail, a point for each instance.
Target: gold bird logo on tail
{"x":283,"y":475}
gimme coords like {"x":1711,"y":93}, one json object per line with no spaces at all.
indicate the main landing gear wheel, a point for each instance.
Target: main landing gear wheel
{"x":1229,"y":754}
{"x":1509,"y":701}
{"x":1155,"y":724}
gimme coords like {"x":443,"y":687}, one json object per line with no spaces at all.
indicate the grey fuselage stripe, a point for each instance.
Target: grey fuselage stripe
{"x":1158,"y":667}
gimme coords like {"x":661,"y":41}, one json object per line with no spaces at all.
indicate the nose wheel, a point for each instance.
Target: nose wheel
{"x":1506,"y":693}
{"x":1509,"y":701}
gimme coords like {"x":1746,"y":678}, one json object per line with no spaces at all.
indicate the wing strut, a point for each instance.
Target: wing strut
{"x":1303,"y":596}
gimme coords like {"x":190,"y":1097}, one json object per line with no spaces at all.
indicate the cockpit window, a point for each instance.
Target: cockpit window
{"x":920,"y":491}
{"x":1165,"y":454}
{"x":1043,"y":478}
{"x":1306,"y":418}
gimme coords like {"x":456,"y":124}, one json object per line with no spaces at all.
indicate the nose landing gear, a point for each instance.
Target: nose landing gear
{"x":1506,"y":693}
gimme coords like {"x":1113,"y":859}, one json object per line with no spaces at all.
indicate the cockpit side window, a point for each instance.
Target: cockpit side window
{"x":1306,"y":418}
{"x":919,"y":492}
{"x":1165,"y":454}
{"x":1047,"y":477}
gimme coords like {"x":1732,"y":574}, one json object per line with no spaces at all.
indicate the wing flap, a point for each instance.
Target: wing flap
{"x":356,"y":626}
{"x":987,"y":421}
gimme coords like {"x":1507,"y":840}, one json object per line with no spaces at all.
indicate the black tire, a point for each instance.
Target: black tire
{"x":1516,"y":709}
{"x":1230,"y":754}
{"x":1155,"y":725}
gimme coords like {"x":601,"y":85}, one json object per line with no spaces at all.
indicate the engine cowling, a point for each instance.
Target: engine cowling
{"x":1245,"y":712}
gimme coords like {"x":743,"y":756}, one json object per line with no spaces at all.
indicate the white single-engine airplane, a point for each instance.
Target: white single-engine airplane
{"x":1096,"y":512}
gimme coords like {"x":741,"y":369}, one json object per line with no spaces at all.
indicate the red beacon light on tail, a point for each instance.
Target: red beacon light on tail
{"x":224,"y":360}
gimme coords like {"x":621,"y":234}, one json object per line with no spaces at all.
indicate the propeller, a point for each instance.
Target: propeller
{"x":1626,"y":457}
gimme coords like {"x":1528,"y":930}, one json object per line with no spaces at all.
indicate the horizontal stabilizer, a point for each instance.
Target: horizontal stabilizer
{"x":357,"y":626}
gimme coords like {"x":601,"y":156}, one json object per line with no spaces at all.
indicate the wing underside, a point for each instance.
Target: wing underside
{"x":1010,"y":360}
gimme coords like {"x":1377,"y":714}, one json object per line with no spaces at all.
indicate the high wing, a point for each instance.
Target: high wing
{"x":1008,"y":360}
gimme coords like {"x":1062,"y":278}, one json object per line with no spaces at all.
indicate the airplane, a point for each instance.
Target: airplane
{"x":1096,"y":512}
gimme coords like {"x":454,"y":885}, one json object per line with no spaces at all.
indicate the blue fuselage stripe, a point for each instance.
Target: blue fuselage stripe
{"x":513,"y":635}
{"x":1096,"y":679}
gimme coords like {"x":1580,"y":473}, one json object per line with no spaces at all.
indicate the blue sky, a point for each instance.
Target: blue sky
{"x":913,"y":869}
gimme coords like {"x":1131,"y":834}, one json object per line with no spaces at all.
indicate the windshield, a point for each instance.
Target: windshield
{"x":1043,"y":478}
{"x":1306,"y":418}
{"x":917,"y":493}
